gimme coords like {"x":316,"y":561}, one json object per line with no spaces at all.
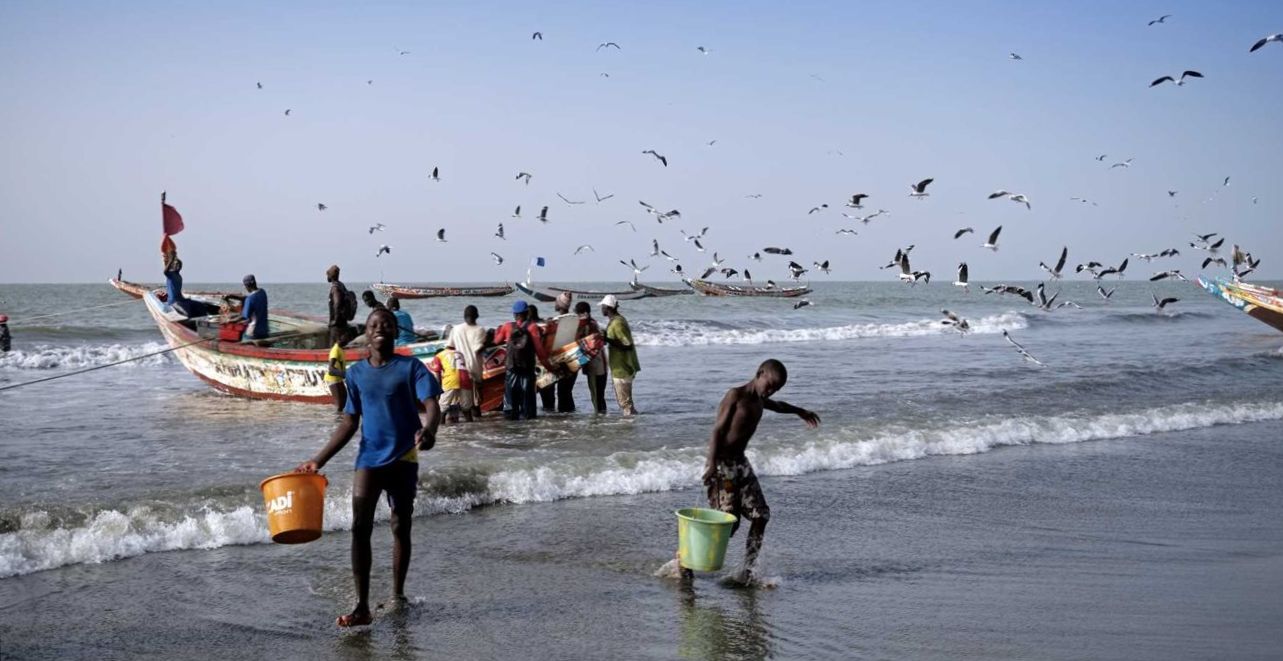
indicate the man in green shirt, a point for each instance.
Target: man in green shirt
{"x":623,"y":354}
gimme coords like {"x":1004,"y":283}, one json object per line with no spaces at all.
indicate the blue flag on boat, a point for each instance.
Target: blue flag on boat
{"x":538,"y":261}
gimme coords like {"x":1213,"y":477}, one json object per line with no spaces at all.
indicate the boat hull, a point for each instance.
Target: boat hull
{"x":402,"y":291}
{"x":659,"y":292}
{"x":298,"y":375}
{"x":714,"y":289}
{"x":548,"y":294}
{"x":1261,"y":303}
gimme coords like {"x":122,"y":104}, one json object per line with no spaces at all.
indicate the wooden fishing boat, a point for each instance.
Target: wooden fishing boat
{"x":1258,"y":302}
{"x":290,"y":364}
{"x":547,"y":294}
{"x":659,"y":292}
{"x":718,"y":289}
{"x":404,"y":291}
{"x":134,"y":289}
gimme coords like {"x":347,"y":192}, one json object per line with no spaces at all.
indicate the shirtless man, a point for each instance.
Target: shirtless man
{"x":732,"y":486}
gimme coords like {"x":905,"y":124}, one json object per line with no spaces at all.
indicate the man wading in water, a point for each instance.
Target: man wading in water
{"x":393,"y":400}
{"x":732,"y":485}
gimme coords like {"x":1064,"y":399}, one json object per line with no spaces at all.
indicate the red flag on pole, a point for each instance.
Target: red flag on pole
{"x":170,"y":218}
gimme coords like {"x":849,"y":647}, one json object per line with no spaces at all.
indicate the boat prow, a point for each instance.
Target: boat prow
{"x":1261,"y":303}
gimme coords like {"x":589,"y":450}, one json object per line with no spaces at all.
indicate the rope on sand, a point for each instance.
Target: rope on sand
{"x":99,"y":367}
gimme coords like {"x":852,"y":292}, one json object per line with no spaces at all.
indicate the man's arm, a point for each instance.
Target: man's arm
{"x":430,"y":418}
{"x":342,"y":434}
{"x":720,"y":428}
{"x":336,"y":300}
{"x":810,"y":418}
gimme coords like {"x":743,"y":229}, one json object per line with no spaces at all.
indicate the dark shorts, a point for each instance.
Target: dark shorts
{"x":734,"y":489}
{"x":399,"y":480}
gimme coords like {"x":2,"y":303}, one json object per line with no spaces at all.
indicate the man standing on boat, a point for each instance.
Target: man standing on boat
{"x":342,"y":308}
{"x":525,"y":346}
{"x":393,"y":401}
{"x":624,"y":365}
{"x":254,"y":309}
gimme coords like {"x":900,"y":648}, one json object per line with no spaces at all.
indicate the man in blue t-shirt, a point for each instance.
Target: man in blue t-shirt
{"x":254,"y":309}
{"x":393,"y":400}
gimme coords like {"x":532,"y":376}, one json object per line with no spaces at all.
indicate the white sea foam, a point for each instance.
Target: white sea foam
{"x":107,"y":535}
{"x":693,"y":333}
{"x":51,"y":357}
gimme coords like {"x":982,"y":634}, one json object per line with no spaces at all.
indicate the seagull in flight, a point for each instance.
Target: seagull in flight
{"x":524,"y":175}
{"x":846,"y":231}
{"x":661,"y":158}
{"x":1160,"y":19}
{"x":563,"y":199}
{"x":629,"y":223}
{"x":543,"y":214}
{"x":667,"y":256}
{"x":383,"y":250}
{"x":951,"y":319}
{"x":1210,"y":248}
{"x":1104,"y":294}
{"x":962,"y":277}
{"x":1122,"y":164}
{"x":801,"y":304}
{"x":795,"y":270}
{"x":1021,"y":350}
{"x":1060,"y":264}
{"x":632,"y":264}
{"x":260,"y":85}
{"x":815,"y":209}
{"x":287,"y":112}
{"x":601,"y":198}
{"x":1014,"y":197}
{"x":1114,"y":270}
{"x":660,"y":216}
{"x":1083,"y":200}
{"x":606,"y":44}
{"x":499,"y":233}
{"x":584,"y":247}
{"x":321,"y":207}
{"x":516,"y":213}
{"x":702,"y":50}
{"x":537,"y":35}
{"x":919,"y":190}
{"x":436,"y":174}
{"x":1160,"y":304}
{"x":1015,"y":56}
{"x":377,"y":227}
{"x":1179,"y":81}
{"x":694,"y":237}
{"x":1163,"y":275}
{"x":498,"y":259}
{"x":772,"y":250}
{"x":823,"y":267}
{"x":1260,"y":44}
{"x":1101,"y":158}
{"x":865,"y":219}
{"x":1219,"y":261}
{"x":441,"y":235}
{"x":857,"y":200}
{"x":654,"y":248}
{"x":965,"y":230}
{"x":992,"y":243}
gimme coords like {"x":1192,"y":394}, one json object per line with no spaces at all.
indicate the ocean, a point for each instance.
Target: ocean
{"x":1121,"y":501}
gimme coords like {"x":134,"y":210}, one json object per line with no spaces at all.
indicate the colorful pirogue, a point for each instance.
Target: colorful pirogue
{"x":290,"y":364}
{"x":1258,"y":302}
{"x":547,"y":294}
{"x":717,"y":289}
{"x":405,"y":291}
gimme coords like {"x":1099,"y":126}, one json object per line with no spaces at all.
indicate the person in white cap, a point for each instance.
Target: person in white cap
{"x":623,"y":354}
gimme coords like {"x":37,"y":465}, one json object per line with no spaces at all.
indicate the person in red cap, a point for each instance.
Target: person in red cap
{"x":6,"y":340}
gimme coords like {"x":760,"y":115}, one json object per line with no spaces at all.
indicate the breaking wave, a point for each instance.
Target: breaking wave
{"x":35,"y":540}
{"x":52,"y":357}
{"x":700,"y":333}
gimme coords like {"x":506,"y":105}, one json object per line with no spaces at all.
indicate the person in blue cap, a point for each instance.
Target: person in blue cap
{"x":525,"y":345}
{"x":254,"y":310}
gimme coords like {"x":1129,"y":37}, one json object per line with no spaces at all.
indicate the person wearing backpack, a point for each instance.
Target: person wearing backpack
{"x":342,"y":308}
{"x":525,"y":349}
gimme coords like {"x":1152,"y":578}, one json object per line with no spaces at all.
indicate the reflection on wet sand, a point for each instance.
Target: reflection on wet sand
{"x":710,"y":630}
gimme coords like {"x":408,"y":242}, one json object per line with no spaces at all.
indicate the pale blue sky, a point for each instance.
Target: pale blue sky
{"x":107,"y":104}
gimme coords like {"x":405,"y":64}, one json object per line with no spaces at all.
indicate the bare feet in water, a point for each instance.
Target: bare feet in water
{"x":357,"y":618}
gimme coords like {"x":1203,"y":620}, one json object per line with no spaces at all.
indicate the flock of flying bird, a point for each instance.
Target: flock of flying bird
{"x":1241,"y":262}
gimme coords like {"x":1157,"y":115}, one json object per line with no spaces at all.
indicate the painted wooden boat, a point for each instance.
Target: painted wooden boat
{"x":718,"y":289}
{"x":404,"y":291}
{"x":291,"y":364}
{"x":548,"y":294}
{"x":1258,"y":302}
{"x":134,"y":289}
{"x":659,"y":292}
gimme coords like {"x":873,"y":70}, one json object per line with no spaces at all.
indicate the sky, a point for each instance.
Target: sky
{"x":108,"y":104}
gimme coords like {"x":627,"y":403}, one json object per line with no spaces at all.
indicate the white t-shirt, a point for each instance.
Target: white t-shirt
{"x":468,"y":340}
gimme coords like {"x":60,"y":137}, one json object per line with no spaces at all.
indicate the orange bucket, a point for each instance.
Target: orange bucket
{"x":295,"y":506}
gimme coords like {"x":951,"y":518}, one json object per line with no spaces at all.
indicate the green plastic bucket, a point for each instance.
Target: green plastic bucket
{"x":702,"y":536}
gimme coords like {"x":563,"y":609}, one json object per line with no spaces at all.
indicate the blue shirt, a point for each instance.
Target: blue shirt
{"x":255,"y":310}
{"x":387,"y":399}
{"x":405,"y":327}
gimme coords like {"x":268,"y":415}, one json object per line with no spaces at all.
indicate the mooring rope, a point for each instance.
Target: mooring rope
{"x":99,"y":367}
{"x":19,"y":322}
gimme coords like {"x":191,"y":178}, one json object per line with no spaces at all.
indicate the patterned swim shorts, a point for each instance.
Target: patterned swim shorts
{"x":733,"y":488}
